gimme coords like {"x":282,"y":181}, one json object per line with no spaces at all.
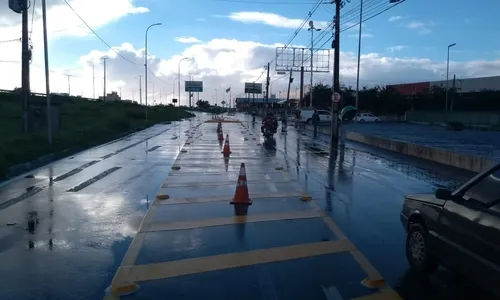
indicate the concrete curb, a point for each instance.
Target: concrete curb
{"x":458,"y":160}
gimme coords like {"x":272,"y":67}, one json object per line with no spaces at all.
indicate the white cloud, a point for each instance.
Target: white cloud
{"x":271,"y":19}
{"x":220,"y":63}
{"x":187,"y":40}
{"x":363,"y":35}
{"x":223,"y":63}
{"x":62,"y":22}
{"x":396,"y":48}
{"x":395,"y":18}
{"x":421,"y":27}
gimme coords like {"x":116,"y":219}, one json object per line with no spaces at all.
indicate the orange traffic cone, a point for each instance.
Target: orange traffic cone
{"x":226,"y":151}
{"x":241,"y":199}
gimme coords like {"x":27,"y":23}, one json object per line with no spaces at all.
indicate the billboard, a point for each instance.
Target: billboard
{"x":253,"y":88}
{"x":193,"y":86}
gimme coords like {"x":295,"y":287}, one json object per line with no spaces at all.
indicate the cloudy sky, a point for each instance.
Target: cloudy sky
{"x":229,"y":42}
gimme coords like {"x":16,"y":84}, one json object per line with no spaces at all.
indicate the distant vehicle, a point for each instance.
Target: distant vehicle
{"x":306,"y":115}
{"x":366,"y":117}
{"x":460,"y":229}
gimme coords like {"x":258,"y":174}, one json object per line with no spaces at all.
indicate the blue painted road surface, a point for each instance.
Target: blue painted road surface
{"x":71,"y":238}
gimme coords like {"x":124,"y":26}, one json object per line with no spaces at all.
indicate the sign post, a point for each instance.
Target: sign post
{"x":193,"y":86}
{"x":253,"y":88}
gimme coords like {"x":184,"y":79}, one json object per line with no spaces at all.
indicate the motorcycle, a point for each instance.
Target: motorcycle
{"x":268,"y":130}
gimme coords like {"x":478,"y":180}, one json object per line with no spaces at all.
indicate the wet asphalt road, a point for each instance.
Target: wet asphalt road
{"x":66,"y":240}
{"x":364,"y":195}
{"x":60,"y":244}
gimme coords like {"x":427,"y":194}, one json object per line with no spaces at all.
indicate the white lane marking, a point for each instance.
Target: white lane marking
{"x":267,"y":177}
{"x":332,"y":293}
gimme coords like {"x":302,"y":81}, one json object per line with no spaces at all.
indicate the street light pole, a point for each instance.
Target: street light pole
{"x":179,"y":77}
{"x":146,"y":66}
{"x":359,"y":52}
{"x":93,"y":79}
{"x":173,"y":88}
{"x":312,"y":29}
{"x":447,"y":74}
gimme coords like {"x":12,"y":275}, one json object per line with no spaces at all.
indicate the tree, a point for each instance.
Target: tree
{"x":202,"y":104}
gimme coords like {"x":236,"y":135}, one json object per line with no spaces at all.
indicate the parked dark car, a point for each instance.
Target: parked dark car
{"x":460,"y":229}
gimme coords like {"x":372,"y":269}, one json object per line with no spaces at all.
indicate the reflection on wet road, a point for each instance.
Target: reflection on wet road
{"x":65,"y":239}
{"x":363,"y":188}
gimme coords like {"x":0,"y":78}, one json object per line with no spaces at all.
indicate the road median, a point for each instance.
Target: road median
{"x":464,"y":161}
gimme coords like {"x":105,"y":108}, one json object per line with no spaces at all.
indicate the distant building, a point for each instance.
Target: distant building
{"x":466,"y":85}
{"x":113,"y":96}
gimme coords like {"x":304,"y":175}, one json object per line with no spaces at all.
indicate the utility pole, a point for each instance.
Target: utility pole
{"x":140,"y":89}
{"x":453,"y":92}
{"x":312,"y":29}
{"x":104,"y":93}
{"x":359,"y":52}
{"x":26,"y":57}
{"x":47,"y":78}
{"x":334,"y":136}
{"x":301,"y":85}
{"x":267,"y":83}
{"x":93,"y":78}
{"x":447,"y":73}
{"x":285,"y":121}
{"x":69,"y":83}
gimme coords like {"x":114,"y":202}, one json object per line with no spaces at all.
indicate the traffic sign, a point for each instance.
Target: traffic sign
{"x":253,"y":88}
{"x":223,"y":102}
{"x":16,"y":6}
{"x":336,"y":97}
{"x":174,"y":100}
{"x":193,"y":86}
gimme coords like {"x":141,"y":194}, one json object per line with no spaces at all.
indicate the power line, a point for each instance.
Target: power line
{"x":357,"y":24}
{"x":32,"y":18}
{"x":309,"y":15}
{"x":267,"y":2}
{"x":95,"y":33}
{"x":13,"y":40}
{"x":159,"y":79}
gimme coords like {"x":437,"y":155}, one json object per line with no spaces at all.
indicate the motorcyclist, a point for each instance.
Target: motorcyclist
{"x":270,"y":120}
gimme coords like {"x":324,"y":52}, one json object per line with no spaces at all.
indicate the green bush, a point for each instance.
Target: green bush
{"x":84,"y":123}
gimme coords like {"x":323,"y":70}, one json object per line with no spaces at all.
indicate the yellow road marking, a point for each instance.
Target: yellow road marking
{"x":216,"y":183}
{"x":334,"y":227}
{"x":388,"y":294}
{"x":149,"y":215}
{"x":365,"y":264}
{"x":221,"y":198}
{"x":226,"y":261}
{"x":133,"y":250}
{"x":231,"y":220}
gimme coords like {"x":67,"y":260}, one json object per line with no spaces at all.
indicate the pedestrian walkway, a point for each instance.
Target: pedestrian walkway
{"x":191,"y":245}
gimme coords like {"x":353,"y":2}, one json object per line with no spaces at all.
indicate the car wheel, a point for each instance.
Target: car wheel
{"x":362,"y":120}
{"x":377,"y":120}
{"x":418,"y":252}
{"x":309,"y":121}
